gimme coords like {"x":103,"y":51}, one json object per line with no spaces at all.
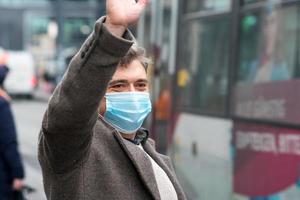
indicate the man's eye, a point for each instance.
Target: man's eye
{"x":117,"y":86}
{"x":141,"y":85}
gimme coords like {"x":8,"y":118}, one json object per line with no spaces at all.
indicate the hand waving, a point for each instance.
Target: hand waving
{"x":122,"y":13}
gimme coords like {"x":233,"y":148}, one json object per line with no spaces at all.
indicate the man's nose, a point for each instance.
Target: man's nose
{"x":132,"y":88}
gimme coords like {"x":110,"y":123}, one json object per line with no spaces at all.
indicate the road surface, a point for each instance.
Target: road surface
{"x":28,"y":117}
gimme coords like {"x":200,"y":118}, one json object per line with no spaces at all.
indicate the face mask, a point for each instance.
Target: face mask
{"x":126,"y":111}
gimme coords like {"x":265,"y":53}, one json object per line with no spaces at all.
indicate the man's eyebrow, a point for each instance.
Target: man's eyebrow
{"x":142,"y":80}
{"x":126,"y":81}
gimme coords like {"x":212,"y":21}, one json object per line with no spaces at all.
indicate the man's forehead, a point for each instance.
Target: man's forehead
{"x":134,"y":70}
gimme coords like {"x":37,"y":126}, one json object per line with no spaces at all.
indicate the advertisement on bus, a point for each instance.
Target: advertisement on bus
{"x":266,"y":162}
{"x":275,"y":101}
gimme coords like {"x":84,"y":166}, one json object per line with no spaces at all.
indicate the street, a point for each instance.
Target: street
{"x":28,"y":117}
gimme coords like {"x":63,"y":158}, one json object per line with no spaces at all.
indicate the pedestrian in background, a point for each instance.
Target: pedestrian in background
{"x":91,"y":144}
{"x":11,"y":168}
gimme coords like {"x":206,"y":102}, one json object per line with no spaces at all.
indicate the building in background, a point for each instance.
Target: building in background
{"x":22,"y":21}
{"x":51,"y":30}
{"x":230,"y":70}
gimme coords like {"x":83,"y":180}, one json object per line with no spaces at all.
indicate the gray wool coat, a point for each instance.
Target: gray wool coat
{"x":82,"y":157}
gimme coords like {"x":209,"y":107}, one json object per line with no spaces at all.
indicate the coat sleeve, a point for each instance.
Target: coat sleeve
{"x":72,"y":110}
{"x":8,"y":142}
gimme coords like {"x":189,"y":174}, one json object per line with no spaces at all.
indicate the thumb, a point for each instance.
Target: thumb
{"x":141,"y":4}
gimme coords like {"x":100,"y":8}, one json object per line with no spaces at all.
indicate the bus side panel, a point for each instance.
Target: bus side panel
{"x":201,"y":152}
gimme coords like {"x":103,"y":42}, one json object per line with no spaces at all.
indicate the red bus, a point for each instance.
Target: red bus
{"x":226,"y":93}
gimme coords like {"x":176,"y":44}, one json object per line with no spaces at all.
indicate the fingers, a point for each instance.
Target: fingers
{"x":142,"y":4}
{"x":143,"y":1}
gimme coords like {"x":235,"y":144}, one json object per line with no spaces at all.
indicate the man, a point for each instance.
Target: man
{"x":11,"y":168}
{"x":90,"y":153}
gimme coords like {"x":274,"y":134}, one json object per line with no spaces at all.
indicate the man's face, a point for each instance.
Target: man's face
{"x":132,"y":78}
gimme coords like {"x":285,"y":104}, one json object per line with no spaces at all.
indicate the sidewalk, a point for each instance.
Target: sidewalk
{"x":33,"y":175}
{"x":28,"y":116}
{"x":41,"y":95}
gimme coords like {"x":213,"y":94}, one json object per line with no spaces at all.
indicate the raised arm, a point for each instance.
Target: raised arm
{"x":72,"y":110}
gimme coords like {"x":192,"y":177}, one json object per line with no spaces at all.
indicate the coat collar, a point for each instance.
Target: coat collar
{"x":150,"y":149}
{"x":140,"y":137}
{"x":142,"y":164}
{"x":144,"y":167}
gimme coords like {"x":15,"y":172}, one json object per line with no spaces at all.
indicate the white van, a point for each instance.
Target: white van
{"x":21,"y":79}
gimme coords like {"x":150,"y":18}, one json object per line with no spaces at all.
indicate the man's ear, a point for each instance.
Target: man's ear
{"x":102,"y":107}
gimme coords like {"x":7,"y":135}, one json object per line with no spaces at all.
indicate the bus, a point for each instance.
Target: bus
{"x":226,"y":95}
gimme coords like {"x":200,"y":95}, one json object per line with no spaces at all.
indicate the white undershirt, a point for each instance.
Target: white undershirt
{"x":165,"y":186}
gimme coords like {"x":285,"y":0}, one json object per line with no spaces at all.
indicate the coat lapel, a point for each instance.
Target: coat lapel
{"x":150,"y":150}
{"x":142,"y":164}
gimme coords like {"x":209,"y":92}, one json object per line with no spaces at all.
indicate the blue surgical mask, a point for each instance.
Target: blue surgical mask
{"x":126,"y":111}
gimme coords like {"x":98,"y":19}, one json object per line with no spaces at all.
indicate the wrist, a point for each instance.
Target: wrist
{"x":117,"y":30}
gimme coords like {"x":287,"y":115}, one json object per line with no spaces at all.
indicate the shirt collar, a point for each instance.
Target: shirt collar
{"x":141,"y":136}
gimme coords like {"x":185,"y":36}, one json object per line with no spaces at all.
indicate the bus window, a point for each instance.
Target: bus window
{"x":251,"y":1}
{"x":268,"y":46}
{"x":245,"y":2}
{"x":196,"y":5}
{"x":202,"y":77}
{"x":268,"y":65}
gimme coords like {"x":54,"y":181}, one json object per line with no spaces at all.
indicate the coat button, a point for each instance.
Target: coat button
{"x":82,"y":54}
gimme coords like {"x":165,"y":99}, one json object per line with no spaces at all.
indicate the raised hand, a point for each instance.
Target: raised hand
{"x":122,"y":13}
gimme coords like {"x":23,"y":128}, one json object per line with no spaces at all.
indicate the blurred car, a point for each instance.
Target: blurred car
{"x":21,"y":79}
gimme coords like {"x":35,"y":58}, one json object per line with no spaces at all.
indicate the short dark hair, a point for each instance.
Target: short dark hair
{"x":135,"y":53}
